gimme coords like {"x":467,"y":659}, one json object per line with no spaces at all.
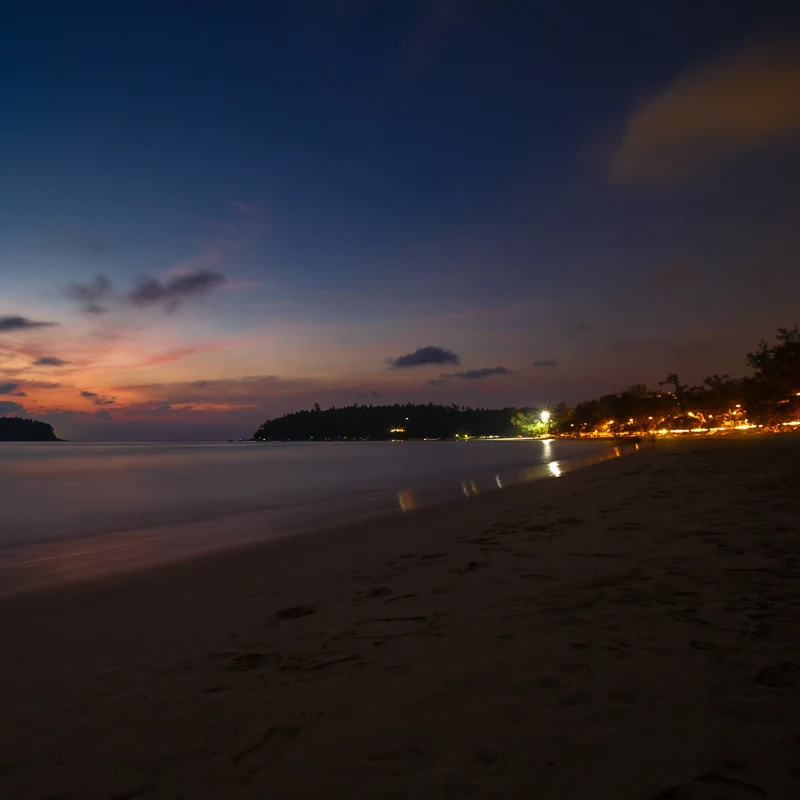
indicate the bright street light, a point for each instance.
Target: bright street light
{"x":545,"y":416}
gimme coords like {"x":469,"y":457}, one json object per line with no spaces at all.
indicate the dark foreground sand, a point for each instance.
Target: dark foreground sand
{"x":610,"y":634}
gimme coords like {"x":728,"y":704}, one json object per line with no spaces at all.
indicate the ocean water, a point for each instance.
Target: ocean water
{"x":70,"y":511}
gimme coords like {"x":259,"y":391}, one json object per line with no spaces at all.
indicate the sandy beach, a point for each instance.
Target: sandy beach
{"x":630,"y":630}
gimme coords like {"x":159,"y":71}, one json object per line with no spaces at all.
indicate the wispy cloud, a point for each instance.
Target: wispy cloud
{"x":169,"y":293}
{"x":50,"y":361}
{"x":17,"y":323}
{"x":719,"y":111}
{"x":423,"y":356}
{"x":174,"y":355}
{"x":8,"y":388}
{"x":90,"y":295}
{"x":42,"y":385}
{"x":97,"y":399}
{"x":478,"y":374}
{"x":9,"y":407}
{"x":245,"y":391}
{"x":195,"y":276}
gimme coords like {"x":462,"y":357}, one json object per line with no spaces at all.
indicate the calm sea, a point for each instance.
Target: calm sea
{"x":70,"y":511}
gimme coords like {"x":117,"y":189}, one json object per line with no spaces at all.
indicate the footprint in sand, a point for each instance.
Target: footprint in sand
{"x":473,"y":566}
{"x":700,"y":645}
{"x":266,"y":748}
{"x":486,"y":758}
{"x":713,"y":787}
{"x":400,"y":597}
{"x":573,"y":699}
{"x":293,"y":612}
{"x":248,"y":661}
{"x":779,"y":676}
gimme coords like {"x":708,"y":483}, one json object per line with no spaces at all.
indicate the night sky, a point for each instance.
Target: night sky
{"x":213,"y":213}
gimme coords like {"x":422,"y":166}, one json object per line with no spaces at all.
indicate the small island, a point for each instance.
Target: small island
{"x":388,"y":422}
{"x":16,"y":429}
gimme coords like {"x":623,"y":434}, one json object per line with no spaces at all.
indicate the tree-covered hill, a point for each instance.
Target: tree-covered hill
{"x":16,"y":429}
{"x":388,"y":422}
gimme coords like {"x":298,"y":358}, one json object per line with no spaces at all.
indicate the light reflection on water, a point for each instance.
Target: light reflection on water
{"x":410,"y":500}
{"x":72,"y":511}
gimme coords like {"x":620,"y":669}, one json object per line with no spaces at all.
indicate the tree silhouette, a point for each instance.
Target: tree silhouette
{"x":775,"y":383}
{"x":16,"y":429}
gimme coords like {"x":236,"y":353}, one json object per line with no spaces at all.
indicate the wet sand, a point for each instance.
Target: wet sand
{"x":613,"y":633}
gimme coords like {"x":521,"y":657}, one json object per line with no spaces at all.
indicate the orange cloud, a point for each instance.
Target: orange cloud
{"x":170,"y":355}
{"x":722,"y":110}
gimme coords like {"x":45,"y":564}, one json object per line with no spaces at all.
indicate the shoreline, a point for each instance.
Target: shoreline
{"x":43,"y":565}
{"x":617,"y":632}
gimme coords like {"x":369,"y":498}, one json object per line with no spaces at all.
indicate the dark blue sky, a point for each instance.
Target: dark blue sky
{"x":613,"y":187}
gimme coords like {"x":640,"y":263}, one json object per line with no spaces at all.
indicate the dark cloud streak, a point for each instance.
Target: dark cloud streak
{"x":50,"y":361}
{"x":8,"y":407}
{"x":17,"y":323}
{"x":478,"y":374}
{"x":423,"y":356}
{"x":98,"y":399}
{"x":170,"y":293}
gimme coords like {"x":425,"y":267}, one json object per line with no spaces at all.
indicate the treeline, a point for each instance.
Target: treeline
{"x":16,"y":429}
{"x":388,"y":422}
{"x":770,"y":397}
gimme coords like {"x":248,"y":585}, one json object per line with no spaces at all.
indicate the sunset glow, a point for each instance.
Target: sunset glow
{"x":234,"y":256}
